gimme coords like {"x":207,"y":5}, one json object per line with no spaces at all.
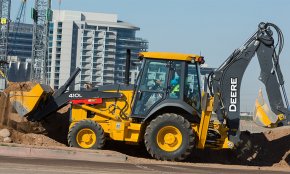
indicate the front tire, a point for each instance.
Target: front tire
{"x":86,"y":134}
{"x":169,"y":137}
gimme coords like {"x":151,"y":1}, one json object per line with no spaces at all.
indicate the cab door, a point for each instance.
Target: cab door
{"x":152,"y":86}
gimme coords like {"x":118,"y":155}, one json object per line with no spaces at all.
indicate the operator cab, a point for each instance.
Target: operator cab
{"x":168,"y":80}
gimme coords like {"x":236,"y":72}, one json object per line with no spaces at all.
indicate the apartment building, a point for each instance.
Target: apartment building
{"x":95,"y":42}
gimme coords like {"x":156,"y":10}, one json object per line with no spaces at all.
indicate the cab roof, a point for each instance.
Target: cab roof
{"x":170,"y":56}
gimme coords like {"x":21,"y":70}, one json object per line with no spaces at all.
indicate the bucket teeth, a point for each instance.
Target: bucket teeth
{"x":263,"y":116}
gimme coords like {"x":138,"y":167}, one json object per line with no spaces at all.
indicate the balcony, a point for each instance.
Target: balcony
{"x":97,"y":61}
{"x":87,"y":48}
{"x":86,"y":72}
{"x":86,"y":61}
{"x":86,"y":52}
{"x":110,"y":50}
{"x":98,"y":55}
{"x":98,"y":68}
{"x":99,"y":36}
{"x":109,"y":62}
{"x":87,"y":41}
{"x":98,"y":43}
{"x":98,"y":80}
{"x":86,"y":65}
{"x":99,"y":48}
{"x":111,"y":43}
{"x":111,"y":37}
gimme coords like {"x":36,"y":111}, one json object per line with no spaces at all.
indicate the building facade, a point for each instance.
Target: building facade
{"x":95,"y":42}
{"x":19,"y":52}
{"x":20,"y":42}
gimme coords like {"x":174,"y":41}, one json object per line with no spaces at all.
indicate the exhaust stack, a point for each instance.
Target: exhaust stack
{"x":127,"y":67}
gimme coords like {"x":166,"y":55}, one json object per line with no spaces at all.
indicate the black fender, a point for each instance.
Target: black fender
{"x":172,"y":103}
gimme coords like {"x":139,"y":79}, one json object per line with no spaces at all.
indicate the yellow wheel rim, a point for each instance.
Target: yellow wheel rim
{"x":86,"y":138}
{"x":169,"y":138}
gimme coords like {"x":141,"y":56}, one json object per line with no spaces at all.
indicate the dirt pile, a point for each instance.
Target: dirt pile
{"x":9,"y":117}
{"x":272,"y":147}
{"x":54,"y":131}
{"x":19,"y":86}
{"x":54,"y":128}
{"x":33,"y":139}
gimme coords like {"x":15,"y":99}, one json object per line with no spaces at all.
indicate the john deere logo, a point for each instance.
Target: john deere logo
{"x":234,"y":94}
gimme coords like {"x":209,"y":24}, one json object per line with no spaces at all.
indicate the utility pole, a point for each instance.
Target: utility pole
{"x":41,"y":15}
{"x":5,"y":6}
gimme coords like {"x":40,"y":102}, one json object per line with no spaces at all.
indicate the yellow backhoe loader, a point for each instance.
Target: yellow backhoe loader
{"x":166,"y":108}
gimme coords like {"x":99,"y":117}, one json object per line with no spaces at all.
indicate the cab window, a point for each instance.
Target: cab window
{"x":192,"y":94}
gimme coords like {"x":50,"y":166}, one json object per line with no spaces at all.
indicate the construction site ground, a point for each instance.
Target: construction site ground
{"x":271,"y":147}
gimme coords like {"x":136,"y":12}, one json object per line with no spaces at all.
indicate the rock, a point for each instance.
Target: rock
{"x":4,"y":133}
{"x":7,"y":140}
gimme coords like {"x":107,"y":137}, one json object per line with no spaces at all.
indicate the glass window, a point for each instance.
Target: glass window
{"x":154,"y":75}
{"x":175,"y":80}
{"x":192,"y":87}
{"x":59,"y":31}
{"x":152,"y":86}
{"x":59,"y":25}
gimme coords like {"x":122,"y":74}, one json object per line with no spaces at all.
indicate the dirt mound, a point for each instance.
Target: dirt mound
{"x":54,"y":128}
{"x":33,"y":139}
{"x":9,"y":117}
{"x":52,"y":131}
{"x":19,"y":86}
{"x":272,"y":147}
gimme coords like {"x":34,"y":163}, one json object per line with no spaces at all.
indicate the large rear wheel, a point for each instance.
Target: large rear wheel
{"x":169,"y":137}
{"x":86,"y":134}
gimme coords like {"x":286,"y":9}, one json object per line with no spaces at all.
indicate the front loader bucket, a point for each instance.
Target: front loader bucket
{"x":25,"y":102}
{"x":263,"y":116}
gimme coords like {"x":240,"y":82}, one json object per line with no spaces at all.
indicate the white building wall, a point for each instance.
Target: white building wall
{"x":66,"y":49}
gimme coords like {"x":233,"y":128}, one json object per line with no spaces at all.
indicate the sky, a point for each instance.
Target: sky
{"x":210,"y":27}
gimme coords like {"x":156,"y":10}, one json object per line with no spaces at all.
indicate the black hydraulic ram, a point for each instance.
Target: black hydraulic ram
{"x":225,"y":82}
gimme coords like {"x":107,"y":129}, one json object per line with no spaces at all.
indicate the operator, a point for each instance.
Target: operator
{"x":175,"y":83}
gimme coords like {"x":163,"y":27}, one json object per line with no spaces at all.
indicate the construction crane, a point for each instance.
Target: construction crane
{"x":5,"y":6}
{"x":41,"y":15}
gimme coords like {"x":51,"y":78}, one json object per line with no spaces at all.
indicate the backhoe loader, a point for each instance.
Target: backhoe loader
{"x":166,"y":108}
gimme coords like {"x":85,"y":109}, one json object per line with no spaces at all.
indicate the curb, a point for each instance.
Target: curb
{"x":56,"y":153}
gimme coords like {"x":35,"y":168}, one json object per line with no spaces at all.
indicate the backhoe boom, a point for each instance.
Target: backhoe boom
{"x":225,"y":82}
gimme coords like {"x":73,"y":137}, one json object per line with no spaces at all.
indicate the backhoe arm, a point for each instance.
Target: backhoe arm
{"x":225,"y":82}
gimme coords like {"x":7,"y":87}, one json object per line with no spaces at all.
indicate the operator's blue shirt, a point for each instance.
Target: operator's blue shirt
{"x":174,"y":81}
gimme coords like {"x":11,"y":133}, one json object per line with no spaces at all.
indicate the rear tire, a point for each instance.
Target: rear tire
{"x":86,"y":134}
{"x":169,"y":137}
